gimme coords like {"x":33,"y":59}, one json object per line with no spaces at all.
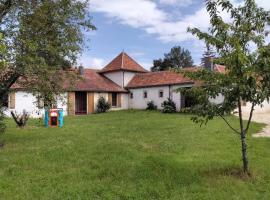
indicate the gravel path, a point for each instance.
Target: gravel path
{"x":262,"y":118}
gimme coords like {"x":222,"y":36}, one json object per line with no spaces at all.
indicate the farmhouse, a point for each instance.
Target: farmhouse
{"x":124,"y":83}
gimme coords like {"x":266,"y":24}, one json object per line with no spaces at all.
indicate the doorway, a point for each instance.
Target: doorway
{"x":80,"y":103}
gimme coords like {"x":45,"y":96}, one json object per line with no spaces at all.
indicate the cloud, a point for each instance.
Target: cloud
{"x":91,"y":62}
{"x":183,"y":3}
{"x":149,"y":16}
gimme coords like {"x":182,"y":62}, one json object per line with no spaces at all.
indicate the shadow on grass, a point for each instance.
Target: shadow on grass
{"x":232,"y":172}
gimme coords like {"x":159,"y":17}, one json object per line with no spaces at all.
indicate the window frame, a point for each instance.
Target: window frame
{"x":114,"y":94}
{"x":160,"y":92}
{"x":145,"y":94}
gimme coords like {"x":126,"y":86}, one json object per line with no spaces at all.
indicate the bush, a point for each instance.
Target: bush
{"x":168,"y":106}
{"x":151,"y":106}
{"x":102,"y":105}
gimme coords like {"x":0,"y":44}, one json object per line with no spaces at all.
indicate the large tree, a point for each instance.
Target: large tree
{"x":42,"y":37}
{"x":177,"y":58}
{"x":241,"y":46}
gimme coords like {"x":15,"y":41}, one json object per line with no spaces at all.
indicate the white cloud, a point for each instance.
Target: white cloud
{"x":176,"y":2}
{"x":91,"y":62}
{"x":147,"y":15}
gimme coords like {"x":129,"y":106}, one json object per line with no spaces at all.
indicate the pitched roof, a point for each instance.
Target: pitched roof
{"x":123,"y":62}
{"x":92,"y":81}
{"x":220,"y":68}
{"x":153,"y":79}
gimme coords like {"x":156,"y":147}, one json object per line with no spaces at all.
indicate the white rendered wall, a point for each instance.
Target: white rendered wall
{"x":127,"y":77}
{"x":219,"y":99}
{"x":139,"y":102}
{"x":116,"y":77}
{"x":28,"y":102}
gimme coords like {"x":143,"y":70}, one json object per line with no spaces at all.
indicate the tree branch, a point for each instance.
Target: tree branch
{"x":250,"y":117}
{"x":226,"y":121}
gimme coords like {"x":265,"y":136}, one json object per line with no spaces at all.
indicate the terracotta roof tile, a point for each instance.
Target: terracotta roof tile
{"x":153,"y":79}
{"x":93,"y":81}
{"x":220,"y":68}
{"x":123,"y":62}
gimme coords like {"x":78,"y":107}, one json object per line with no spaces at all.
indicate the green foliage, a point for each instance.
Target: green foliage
{"x":42,"y":38}
{"x":247,"y":76}
{"x":168,"y":106}
{"x":177,"y":58}
{"x":151,"y":105}
{"x":102,"y":105}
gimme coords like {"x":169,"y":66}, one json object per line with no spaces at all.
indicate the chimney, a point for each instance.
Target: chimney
{"x":81,"y":70}
{"x":209,"y":63}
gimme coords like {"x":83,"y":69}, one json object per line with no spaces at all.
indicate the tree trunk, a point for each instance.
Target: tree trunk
{"x":244,"y":152}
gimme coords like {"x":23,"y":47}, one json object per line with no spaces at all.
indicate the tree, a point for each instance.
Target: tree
{"x":207,"y":61}
{"x":177,"y":58}
{"x":43,"y":38}
{"x":247,"y":76}
{"x":2,"y":67}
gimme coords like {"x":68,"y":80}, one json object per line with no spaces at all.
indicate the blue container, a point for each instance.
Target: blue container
{"x":60,"y":118}
{"x":46,"y":118}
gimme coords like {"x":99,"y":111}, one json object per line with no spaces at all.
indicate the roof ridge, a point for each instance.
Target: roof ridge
{"x":122,"y":64}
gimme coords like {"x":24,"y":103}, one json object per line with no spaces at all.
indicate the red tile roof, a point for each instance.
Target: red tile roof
{"x":153,"y":79}
{"x":220,"y":68}
{"x":123,"y":62}
{"x":92,"y":81}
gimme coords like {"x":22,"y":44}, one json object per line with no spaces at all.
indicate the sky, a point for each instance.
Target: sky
{"x":145,"y":29}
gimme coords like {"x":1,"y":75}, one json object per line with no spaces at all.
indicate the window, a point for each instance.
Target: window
{"x":161,"y":93}
{"x":114,"y":99}
{"x":40,"y":103}
{"x":5,"y":100}
{"x":145,"y":94}
{"x":131,"y":95}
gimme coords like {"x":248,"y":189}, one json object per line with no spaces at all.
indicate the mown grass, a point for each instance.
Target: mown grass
{"x":131,"y":155}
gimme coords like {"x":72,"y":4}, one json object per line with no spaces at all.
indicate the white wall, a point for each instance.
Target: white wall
{"x":219,"y":99}
{"x":28,"y":102}
{"x":139,"y":102}
{"x":127,"y":77}
{"x":116,"y":77}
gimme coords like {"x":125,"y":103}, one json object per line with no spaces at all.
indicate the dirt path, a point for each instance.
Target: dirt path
{"x":262,"y":118}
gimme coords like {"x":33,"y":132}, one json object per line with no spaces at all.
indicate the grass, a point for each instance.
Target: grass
{"x":131,"y":155}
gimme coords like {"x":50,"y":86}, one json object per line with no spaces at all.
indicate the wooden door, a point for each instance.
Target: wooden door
{"x":80,"y":103}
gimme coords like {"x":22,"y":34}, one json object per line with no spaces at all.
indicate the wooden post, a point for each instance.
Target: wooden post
{"x":90,"y":103}
{"x":11,"y":103}
{"x":119,"y":100}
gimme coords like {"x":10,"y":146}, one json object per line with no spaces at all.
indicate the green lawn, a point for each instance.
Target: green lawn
{"x":131,"y":155}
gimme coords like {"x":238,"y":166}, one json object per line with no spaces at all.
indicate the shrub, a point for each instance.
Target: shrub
{"x":168,"y":106}
{"x":151,"y":105}
{"x":102,"y":105}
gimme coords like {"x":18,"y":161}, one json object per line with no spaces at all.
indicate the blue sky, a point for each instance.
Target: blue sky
{"x":145,"y":29}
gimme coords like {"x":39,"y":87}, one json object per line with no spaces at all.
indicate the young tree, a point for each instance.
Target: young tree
{"x":42,"y":39}
{"x":241,"y":46}
{"x":177,"y":58}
